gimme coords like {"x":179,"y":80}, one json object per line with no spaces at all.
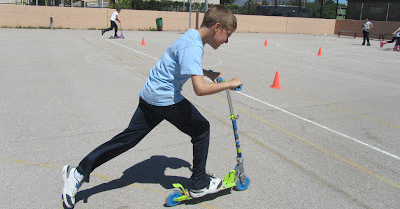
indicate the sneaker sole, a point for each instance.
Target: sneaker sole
{"x":67,"y":203}
{"x":198,"y":195}
{"x":204,"y":194}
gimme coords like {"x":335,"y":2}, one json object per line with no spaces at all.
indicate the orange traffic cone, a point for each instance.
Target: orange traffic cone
{"x":276,"y":84}
{"x":319,"y":52}
{"x":265,"y":44}
{"x":143,"y":43}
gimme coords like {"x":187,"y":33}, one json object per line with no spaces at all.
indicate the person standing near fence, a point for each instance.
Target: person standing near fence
{"x":366,"y":28}
{"x":114,"y":17}
{"x":396,"y":37}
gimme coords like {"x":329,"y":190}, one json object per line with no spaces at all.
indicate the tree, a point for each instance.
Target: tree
{"x":328,"y":9}
{"x":294,"y":2}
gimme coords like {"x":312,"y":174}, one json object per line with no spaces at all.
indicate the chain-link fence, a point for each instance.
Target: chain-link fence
{"x":288,"y":8}
{"x":378,"y":10}
{"x":164,"y":5}
{"x":62,"y":3}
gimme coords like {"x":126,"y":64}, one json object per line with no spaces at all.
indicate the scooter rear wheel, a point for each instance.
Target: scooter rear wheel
{"x":169,"y":201}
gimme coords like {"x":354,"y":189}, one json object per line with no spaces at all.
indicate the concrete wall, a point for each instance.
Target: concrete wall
{"x":84,"y":18}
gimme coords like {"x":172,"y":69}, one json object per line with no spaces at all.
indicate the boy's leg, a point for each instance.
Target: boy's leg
{"x":393,"y":39}
{"x":385,"y":42}
{"x":143,"y":121}
{"x":112,"y":23}
{"x":367,"y":35}
{"x":364,"y":37}
{"x":397,"y":45}
{"x":116,"y":29}
{"x":189,"y":120}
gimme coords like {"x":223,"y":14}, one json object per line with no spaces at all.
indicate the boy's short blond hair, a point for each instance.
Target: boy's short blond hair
{"x":219,"y":14}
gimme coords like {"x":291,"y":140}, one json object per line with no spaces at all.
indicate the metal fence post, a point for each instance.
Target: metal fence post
{"x":190,"y":13}
{"x":387,"y":12}
{"x":197,"y":20}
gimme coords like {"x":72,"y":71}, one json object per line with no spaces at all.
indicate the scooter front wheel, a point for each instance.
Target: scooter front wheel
{"x":240,"y":186}
{"x":169,"y":201}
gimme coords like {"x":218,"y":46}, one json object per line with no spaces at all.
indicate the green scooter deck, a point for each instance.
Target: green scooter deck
{"x":227,"y":182}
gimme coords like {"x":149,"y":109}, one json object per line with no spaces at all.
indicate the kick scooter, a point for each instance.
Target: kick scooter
{"x":235,"y":178}
{"x":121,"y":36}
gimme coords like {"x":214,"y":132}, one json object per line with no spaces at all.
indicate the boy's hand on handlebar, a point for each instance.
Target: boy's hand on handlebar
{"x":235,"y":82}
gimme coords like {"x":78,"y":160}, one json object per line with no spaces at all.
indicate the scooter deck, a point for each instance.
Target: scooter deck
{"x":118,"y":37}
{"x":227,"y":182}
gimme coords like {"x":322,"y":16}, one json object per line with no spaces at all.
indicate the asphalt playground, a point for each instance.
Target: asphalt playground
{"x":329,"y":138}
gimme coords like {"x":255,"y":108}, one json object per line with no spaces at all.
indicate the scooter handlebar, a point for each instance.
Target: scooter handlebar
{"x":219,"y":80}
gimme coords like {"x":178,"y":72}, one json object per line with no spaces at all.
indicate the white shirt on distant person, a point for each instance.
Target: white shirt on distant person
{"x":113,"y":16}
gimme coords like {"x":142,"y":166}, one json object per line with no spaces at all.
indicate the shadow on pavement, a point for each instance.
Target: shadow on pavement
{"x":151,"y":171}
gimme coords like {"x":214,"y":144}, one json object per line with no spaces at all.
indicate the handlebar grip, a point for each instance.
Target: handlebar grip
{"x":219,"y":80}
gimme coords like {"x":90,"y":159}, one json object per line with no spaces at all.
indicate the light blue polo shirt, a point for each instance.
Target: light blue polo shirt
{"x":181,"y":60}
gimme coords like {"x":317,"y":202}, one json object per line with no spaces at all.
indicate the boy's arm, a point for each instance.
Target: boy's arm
{"x":212,"y":75}
{"x":398,"y":29}
{"x":116,"y":18}
{"x":202,"y":88}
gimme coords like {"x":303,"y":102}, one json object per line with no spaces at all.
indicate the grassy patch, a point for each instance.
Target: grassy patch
{"x":148,"y":29}
{"x":33,"y":27}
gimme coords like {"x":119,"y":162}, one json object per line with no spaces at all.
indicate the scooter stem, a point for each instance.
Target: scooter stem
{"x":239,"y":167}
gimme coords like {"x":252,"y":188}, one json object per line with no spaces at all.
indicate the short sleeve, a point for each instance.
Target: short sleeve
{"x":190,"y":60}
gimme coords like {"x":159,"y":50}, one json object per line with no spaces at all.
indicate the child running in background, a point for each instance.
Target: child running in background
{"x":396,"y":37}
{"x":114,"y":17}
{"x":160,"y":99}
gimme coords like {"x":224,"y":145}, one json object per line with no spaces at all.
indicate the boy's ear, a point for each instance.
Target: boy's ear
{"x":216,"y":26}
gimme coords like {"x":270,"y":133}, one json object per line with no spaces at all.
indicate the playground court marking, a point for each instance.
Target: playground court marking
{"x":294,"y":115}
{"x":324,"y":127}
{"x":310,"y":143}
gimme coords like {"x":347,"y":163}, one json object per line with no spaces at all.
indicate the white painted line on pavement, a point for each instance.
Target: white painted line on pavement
{"x":132,"y":49}
{"x":304,"y":119}
{"x":324,"y":127}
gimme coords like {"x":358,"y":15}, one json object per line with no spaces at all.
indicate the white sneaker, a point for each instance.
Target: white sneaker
{"x":71,"y":186}
{"x":215,"y":186}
